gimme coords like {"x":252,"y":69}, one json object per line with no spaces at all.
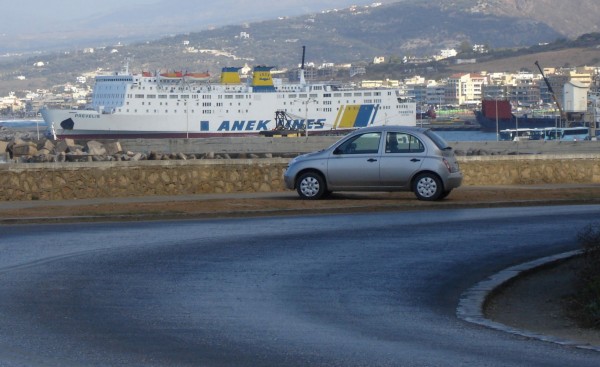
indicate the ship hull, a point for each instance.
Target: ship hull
{"x":492,"y":125}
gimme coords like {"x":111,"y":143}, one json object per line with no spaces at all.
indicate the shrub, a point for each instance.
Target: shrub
{"x":586,"y":300}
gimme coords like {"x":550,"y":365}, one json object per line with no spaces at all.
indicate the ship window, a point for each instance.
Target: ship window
{"x":357,"y":94}
{"x":162,"y":96}
{"x":185,"y":96}
{"x":174,"y":96}
{"x":347,"y":94}
{"x":302,"y":95}
{"x":327,"y":95}
{"x":367,"y":94}
{"x":292,"y":96}
{"x":139,"y":96}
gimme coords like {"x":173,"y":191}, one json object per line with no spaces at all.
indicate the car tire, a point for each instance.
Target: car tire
{"x":428,"y":187}
{"x":311,"y":186}
{"x":444,"y":194}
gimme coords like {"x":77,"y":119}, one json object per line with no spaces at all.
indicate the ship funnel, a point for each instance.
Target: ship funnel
{"x":230,"y":75}
{"x":262,"y":80}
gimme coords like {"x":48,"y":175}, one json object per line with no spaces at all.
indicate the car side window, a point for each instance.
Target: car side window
{"x":361,"y":144}
{"x":403,"y":143}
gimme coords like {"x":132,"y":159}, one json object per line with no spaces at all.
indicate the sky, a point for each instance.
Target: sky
{"x":41,"y":25}
{"x":41,"y":15}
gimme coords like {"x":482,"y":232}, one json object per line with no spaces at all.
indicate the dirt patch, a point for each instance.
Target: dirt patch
{"x":288,"y":203}
{"x":537,"y":302}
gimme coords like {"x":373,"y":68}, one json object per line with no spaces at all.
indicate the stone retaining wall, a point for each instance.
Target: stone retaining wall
{"x":56,"y":181}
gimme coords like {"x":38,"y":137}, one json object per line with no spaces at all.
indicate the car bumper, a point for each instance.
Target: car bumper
{"x":288,"y":179}
{"x":454,"y":181}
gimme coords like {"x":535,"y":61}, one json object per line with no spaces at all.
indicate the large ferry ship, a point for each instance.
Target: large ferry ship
{"x":189,"y":105}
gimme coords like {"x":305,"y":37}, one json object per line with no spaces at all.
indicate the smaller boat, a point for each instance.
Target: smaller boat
{"x":172,"y":75}
{"x":197,"y":76}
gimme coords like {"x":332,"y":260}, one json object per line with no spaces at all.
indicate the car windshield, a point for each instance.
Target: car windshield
{"x":438,"y":140}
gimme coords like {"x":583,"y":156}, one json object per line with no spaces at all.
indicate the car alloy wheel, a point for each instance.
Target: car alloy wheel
{"x":428,"y":187}
{"x":310,"y":186}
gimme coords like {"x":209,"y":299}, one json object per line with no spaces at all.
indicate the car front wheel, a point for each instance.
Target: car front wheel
{"x":428,"y":187}
{"x":310,"y":185}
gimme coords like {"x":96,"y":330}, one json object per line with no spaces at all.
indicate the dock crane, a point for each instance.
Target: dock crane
{"x":560,"y":110}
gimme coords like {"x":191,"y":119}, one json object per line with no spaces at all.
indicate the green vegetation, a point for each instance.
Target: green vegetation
{"x":585,"y":303}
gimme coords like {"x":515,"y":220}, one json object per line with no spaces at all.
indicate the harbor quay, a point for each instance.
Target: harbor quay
{"x":85,"y":180}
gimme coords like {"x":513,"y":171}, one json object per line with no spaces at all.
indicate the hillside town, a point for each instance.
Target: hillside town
{"x":466,"y":90}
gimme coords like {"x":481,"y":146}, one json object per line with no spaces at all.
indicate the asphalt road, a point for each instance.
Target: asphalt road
{"x":338,"y":290}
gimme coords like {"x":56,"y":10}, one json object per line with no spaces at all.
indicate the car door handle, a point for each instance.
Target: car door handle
{"x":371,"y":160}
{"x":415,"y":160}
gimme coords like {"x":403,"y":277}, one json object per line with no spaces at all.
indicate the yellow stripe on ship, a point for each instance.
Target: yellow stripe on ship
{"x":337,"y":118}
{"x":349,"y":116}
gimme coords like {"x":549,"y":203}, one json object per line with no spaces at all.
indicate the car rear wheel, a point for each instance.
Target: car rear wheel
{"x":428,"y":187}
{"x":311,"y":185}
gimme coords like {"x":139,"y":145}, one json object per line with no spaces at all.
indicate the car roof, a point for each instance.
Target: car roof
{"x":394,"y":128}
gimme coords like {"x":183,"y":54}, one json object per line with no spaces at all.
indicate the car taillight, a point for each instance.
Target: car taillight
{"x":452,"y":168}
{"x":447,"y":165}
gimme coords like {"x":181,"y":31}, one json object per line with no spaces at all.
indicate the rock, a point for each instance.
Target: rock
{"x":26,"y":149}
{"x":181,"y":156}
{"x":136,"y":157}
{"x":61,"y":147}
{"x":113,"y":148}
{"x":94,"y":147}
{"x":46,"y":144}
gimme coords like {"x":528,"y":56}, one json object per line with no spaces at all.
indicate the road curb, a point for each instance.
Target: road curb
{"x":472,"y":301}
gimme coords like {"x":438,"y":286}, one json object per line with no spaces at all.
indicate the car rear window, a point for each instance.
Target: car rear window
{"x":438,"y":140}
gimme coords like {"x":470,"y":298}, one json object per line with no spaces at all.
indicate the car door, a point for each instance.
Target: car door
{"x":354,"y":164}
{"x":402,"y":157}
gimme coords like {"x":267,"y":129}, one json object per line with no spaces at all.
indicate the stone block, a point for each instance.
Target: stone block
{"x":113,"y":148}
{"x":61,"y":147}
{"x":46,"y":144}
{"x":94,"y":147}
{"x":25,"y":149}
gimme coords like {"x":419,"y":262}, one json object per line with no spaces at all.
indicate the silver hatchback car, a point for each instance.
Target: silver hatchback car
{"x":382,"y":158}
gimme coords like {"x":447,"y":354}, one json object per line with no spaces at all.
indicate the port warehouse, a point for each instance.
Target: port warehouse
{"x":63,"y":181}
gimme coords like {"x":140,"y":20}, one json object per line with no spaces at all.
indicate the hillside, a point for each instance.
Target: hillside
{"x":356,"y":35}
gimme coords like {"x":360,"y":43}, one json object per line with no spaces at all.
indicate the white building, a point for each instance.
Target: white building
{"x":448,"y":53}
{"x":575,"y":96}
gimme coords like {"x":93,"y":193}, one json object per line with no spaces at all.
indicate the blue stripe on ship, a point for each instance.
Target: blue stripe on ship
{"x":374,"y":114}
{"x":364,"y":115}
